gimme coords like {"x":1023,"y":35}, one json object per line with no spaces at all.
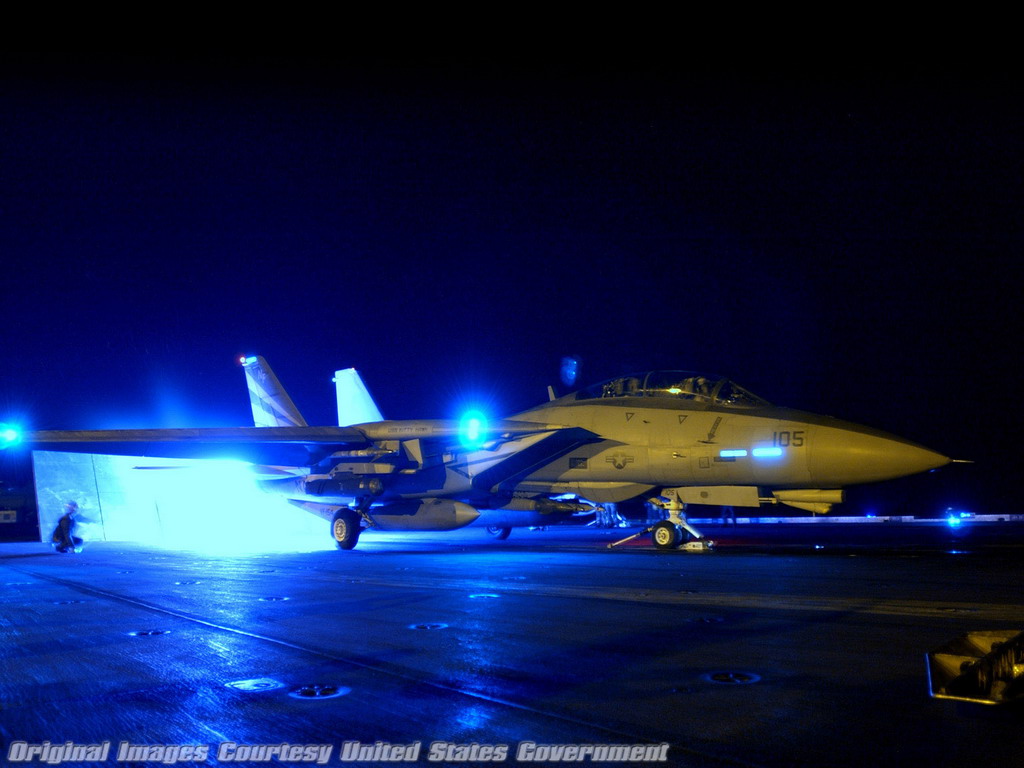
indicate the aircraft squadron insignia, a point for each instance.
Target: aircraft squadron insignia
{"x":619,"y":460}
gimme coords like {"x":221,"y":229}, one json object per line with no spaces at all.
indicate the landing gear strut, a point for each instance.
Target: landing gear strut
{"x":669,"y":534}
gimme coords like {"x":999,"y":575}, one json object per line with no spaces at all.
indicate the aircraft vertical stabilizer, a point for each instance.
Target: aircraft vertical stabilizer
{"x":271,"y":406}
{"x":355,"y":405}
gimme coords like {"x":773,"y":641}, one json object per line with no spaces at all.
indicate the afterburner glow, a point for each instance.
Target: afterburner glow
{"x":210,"y":506}
{"x":216,"y":506}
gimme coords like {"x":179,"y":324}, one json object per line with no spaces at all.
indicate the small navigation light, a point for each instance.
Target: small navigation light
{"x":764,"y":453}
{"x":733,"y":453}
{"x":9,"y":435}
{"x":473,"y":430}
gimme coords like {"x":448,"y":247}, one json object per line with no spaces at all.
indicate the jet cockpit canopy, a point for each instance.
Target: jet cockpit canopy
{"x":678,"y":385}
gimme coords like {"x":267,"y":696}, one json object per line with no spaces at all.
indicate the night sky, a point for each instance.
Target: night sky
{"x":845,"y":244}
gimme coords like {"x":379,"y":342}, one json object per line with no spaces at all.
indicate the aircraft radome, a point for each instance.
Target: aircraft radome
{"x":668,"y":437}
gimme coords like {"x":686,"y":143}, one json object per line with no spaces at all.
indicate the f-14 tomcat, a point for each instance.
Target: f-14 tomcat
{"x":668,"y":437}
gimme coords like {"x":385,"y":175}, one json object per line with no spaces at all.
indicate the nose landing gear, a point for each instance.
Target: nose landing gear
{"x":670,"y":534}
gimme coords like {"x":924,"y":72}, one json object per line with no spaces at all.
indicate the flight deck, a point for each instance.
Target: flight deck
{"x":787,"y":645}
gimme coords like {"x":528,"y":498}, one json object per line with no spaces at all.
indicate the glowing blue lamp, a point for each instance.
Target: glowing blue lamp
{"x":9,"y":435}
{"x":955,"y":517}
{"x":473,"y":430}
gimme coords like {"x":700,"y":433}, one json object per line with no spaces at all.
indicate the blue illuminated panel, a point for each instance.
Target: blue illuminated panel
{"x":733,"y":453}
{"x":762,"y":453}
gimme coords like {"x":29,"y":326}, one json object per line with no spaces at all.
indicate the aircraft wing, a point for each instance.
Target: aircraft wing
{"x":294,"y":446}
{"x":291,"y":446}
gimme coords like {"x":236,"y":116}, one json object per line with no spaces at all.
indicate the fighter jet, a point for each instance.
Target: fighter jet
{"x":670,"y":438}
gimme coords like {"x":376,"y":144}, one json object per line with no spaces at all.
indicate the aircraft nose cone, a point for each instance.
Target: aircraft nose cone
{"x":854,"y":456}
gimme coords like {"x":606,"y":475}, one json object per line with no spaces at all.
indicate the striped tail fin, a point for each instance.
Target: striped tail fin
{"x":271,"y":406}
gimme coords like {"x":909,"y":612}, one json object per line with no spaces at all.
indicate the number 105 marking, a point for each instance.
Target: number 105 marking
{"x":786,"y":439}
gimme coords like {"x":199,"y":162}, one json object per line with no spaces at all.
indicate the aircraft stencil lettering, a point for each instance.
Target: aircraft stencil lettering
{"x":725,"y":446}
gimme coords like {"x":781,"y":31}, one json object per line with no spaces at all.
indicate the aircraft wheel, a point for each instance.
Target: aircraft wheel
{"x":345,"y":528}
{"x":666,"y":535}
{"x":499,"y":532}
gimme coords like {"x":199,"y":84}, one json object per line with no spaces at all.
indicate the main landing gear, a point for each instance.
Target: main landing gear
{"x":345,"y":528}
{"x":671,"y":533}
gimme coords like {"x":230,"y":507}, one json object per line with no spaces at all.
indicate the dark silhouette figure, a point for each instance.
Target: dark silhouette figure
{"x":63,"y":534}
